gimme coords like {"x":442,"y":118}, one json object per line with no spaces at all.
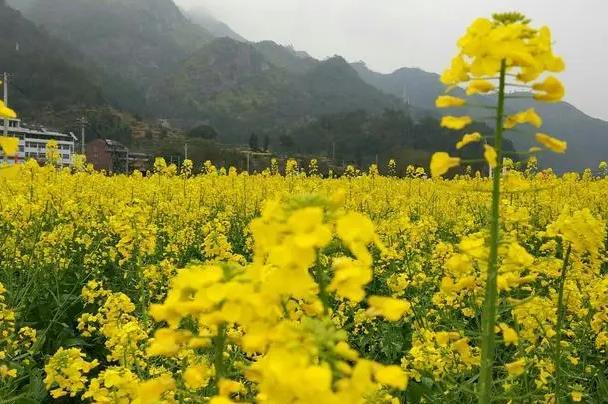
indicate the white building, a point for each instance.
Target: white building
{"x":32,"y":143}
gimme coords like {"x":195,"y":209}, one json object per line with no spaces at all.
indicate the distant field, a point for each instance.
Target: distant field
{"x":175,"y":287}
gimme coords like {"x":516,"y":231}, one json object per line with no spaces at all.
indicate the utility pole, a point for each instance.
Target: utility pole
{"x":248,"y":158}
{"x":127,"y":165}
{"x":186,"y":151}
{"x":5,"y":88}
{"x":83,"y":121}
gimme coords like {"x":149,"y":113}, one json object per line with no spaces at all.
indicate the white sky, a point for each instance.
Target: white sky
{"x":388,"y":34}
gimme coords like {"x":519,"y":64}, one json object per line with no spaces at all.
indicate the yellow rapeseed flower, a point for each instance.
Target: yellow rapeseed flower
{"x":551,"y":143}
{"x":441,"y":162}
{"x":197,"y":376}
{"x":529,"y":116}
{"x":152,"y":390}
{"x":220,"y":400}
{"x":468,"y":138}
{"x":490,"y":155}
{"x":455,"y":122}
{"x":9,"y":145}
{"x":480,"y":86}
{"x":350,"y":276}
{"x":516,"y":368}
{"x":390,"y":308}
{"x":392,"y":376}
{"x":448,"y":101}
{"x":227,"y":387}
{"x":577,"y":396}
{"x":509,"y":335}
{"x":550,"y":90}
{"x":458,"y":72}
{"x":6,"y":112}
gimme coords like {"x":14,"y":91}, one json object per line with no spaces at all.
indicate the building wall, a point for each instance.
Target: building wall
{"x":97,"y":154}
{"x":35,"y":148}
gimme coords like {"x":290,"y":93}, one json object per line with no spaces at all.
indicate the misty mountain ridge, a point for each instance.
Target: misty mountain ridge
{"x":161,"y":62}
{"x":48,"y":77}
{"x":135,"y":39}
{"x":587,"y":137}
{"x":201,"y":16}
{"x":237,"y":88}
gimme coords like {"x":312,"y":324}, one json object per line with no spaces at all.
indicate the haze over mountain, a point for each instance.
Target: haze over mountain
{"x":148,"y":57}
{"x":215,"y":27}
{"x":47,"y":76}
{"x":587,"y":137}
{"x":139,"y":41}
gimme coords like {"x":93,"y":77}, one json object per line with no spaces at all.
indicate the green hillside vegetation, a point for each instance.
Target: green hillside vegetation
{"x":136,"y":40}
{"x":146,"y":57}
{"x":232,"y":86}
{"x":286,"y":57}
{"x":45,"y":79}
{"x":587,"y":137}
{"x":360,"y":137}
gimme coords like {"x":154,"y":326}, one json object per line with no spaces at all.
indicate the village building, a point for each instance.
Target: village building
{"x":33,"y":143}
{"x":114,"y":157}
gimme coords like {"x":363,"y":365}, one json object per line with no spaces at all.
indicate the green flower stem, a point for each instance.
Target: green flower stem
{"x":558,"y":327}
{"x":219,"y":343}
{"x":323,"y":283}
{"x":488,"y":318}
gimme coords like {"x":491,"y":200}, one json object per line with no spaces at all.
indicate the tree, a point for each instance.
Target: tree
{"x":253,"y":142}
{"x":203,"y":132}
{"x":266,"y":143}
{"x":286,"y":141}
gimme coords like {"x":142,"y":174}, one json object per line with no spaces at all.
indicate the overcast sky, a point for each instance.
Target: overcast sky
{"x":388,"y":34}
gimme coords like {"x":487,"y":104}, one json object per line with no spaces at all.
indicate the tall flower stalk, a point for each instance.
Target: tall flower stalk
{"x":488,"y":318}
{"x":496,"y":54}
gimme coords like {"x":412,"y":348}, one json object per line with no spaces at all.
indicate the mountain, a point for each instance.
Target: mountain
{"x":147,"y":56}
{"x":21,"y":5}
{"x":218,"y":29}
{"x":47,"y":80}
{"x":286,"y":57}
{"x":136,"y":40}
{"x":237,"y":88}
{"x":587,"y":137}
{"x":412,"y":85}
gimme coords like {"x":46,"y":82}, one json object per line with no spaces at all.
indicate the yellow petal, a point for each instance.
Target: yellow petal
{"x":455,"y":122}
{"x":441,"y":162}
{"x":550,"y":90}
{"x":447,"y":101}
{"x":9,"y":145}
{"x":458,"y":72}
{"x":6,"y":112}
{"x":468,"y":138}
{"x":490,"y":155}
{"x":551,"y":143}
{"x":529,"y":116}
{"x":480,"y":86}
{"x":516,"y":368}
{"x":388,"y":307}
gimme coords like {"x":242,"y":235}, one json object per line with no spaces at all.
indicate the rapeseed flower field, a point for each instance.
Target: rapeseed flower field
{"x":287,"y":286}
{"x":274,"y":288}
